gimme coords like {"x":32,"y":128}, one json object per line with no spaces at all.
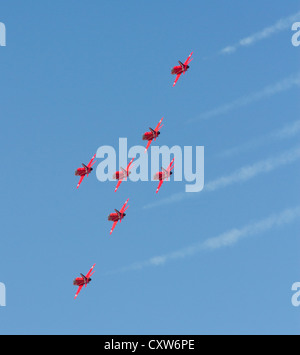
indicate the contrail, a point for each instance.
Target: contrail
{"x":267,"y":32}
{"x":241,"y":175}
{"x":223,"y":240}
{"x":250,"y":171}
{"x":269,"y":91}
{"x":288,"y":131}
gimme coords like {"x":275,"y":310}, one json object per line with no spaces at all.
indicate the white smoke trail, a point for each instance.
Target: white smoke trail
{"x":288,"y":131}
{"x":223,"y":240}
{"x":267,"y":32}
{"x":241,"y":175}
{"x":250,"y":171}
{"x":269,"y":91}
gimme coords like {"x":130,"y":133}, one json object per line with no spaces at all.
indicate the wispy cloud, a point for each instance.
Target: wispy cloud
{"x":269,"y":91}
{"x":241,"y":175}
{"x":288,"y":131}
{"x":281,"y":25}
{"x":226,"y":239}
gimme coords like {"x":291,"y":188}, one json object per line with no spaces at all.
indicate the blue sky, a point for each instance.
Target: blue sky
{"x":75,"y":77}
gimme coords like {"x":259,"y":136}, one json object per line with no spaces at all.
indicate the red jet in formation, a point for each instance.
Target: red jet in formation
{"x":118,"y":216}
{"x":181,"y":68}
{"x":83,"y":281}
{"x":85,"y":171}
{"x":122,"y":175}
{"x":164,"y":175}
{"x":153,"y":134}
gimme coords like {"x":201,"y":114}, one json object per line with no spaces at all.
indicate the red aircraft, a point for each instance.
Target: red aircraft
{"x":85,"y":171}
{"x":118,"y":216}
{"x":153,"y":134}
{"x":122,"y":175}
{"x":181,"y":68}
{"x":83,"y":281}
{"x":164,"y":175}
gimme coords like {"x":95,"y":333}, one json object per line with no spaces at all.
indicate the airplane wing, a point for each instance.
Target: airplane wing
{"x":170,"y":167}
{"x":80,"y":181}
{"x":148,"y":145}
{"x":158,"y":127}
{"x":125,"y":172}
{"x":128,"y":167}
{"x":177,"y":77}
{"x":188,"y":59}
{"x":90,"y":272}
{"x":78,"y":291}
{"x":159,"y":185}
{"x":90,"y":164}
{"x":181,"y":64}
{"x":113,"y":227}
{"x":123,"y":208}
{"x":167,"y":174}
{"x":118,"y":184}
